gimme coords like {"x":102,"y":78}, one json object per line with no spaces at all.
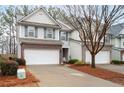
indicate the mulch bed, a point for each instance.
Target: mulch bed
{"x":101,"y":73}
{"x":11,"y":81}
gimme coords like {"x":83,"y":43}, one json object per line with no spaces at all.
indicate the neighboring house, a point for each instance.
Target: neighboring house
{"x":117,"y":38}
{"x":41,"y":39}
{"x":79,"y":51}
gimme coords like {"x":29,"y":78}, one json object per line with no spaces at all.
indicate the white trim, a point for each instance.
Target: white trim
{"x":24,"y":18}
{"x":65,"y":24}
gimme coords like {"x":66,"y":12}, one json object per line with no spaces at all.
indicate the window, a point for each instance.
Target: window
{"x":123,"y":43}
{"x":49,"y":33}
{"x":31,"y":31}
{"x":63,"y":36}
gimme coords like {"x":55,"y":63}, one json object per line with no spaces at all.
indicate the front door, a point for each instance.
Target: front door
{"x":65,"y":54}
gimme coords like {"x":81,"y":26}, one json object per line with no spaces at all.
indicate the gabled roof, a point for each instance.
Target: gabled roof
{"x":64,"y":27}
{"x":35,"y":11}
{"x":116,"y":29}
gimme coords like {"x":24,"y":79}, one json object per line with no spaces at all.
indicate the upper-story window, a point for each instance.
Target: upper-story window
{"x":49,"y":33}
{"x":30,"y":31}
{"x":64,"y":36}
{"x":123,"y":43}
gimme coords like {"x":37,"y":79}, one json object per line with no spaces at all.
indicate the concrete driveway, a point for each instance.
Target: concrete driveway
{"x":62,"y":76}
{"x":115,"y":68}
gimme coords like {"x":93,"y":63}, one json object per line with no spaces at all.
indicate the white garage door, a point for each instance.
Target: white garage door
{"x":41,"y":56}
{"x":103,"y":57}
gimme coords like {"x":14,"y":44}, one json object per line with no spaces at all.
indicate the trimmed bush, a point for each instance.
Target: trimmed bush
{"x":9,"y":68}
{"x":79,"y":63}
{"x":72,"y":61}
{"x":21,"y":61}
{"x":117,"y":62}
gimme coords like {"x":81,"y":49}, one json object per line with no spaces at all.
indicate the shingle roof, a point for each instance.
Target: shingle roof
{"x":64,"y":26}
{"x":116,"y":29}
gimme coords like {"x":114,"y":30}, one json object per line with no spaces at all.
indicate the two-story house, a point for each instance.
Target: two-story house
{"x":41,"y":39}
{"x":117,"y":39}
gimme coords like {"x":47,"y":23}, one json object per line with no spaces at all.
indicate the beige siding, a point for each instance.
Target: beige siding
{"x":116,"y":54}
{"x":75,"y":50}
{"x":22,"y":31}
{"x":56,"y":34}
{"x":40,"y":17}
{"x":117,"y":42}
{"x":40,"y":33}
{"x":75,"y":35}
{"x":122,"y":41}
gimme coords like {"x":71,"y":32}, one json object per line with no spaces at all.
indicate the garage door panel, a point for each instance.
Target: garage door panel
{"x":41,"y":56}
{"x":103,"y":57}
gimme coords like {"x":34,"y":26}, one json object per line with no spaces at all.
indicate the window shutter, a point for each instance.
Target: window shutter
{"x":66,"y":36}
{"x":59,"y":35}
{"x":53,"y":33}
{"x":44,"y":32}
{"x":36,"y":32}
{"x":26,"y":31}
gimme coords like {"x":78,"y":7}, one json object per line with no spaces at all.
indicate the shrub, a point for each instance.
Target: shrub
{"x":1,"y":61}
{"x":9,"y":68}
{"x":13,"y":58}
{"x":117,"y":62}
{"x":79,"y":63}
{"x":21,"y":61}
{"x":72,"y":61}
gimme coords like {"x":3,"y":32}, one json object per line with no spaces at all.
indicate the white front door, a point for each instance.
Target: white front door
{"x":103,"y":57}
{"x":41,"y":56}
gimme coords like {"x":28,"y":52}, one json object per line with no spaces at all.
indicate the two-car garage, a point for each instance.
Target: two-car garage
{"x":39,"y":52}
{"x":41,"y":56}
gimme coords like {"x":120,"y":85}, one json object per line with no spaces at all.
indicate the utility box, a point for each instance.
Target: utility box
{"x":21,"y":73}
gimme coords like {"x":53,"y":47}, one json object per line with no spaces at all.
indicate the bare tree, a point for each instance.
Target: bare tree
{"x":92,"y":23}
{"x":55,"y":12}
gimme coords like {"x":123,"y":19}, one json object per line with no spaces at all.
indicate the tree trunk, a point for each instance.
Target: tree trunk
{"x":10,"y":41}
{"x":93,"y":61}
{"x":14,"y":44}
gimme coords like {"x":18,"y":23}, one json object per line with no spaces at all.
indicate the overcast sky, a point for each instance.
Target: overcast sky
{"x":3,"y":7}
